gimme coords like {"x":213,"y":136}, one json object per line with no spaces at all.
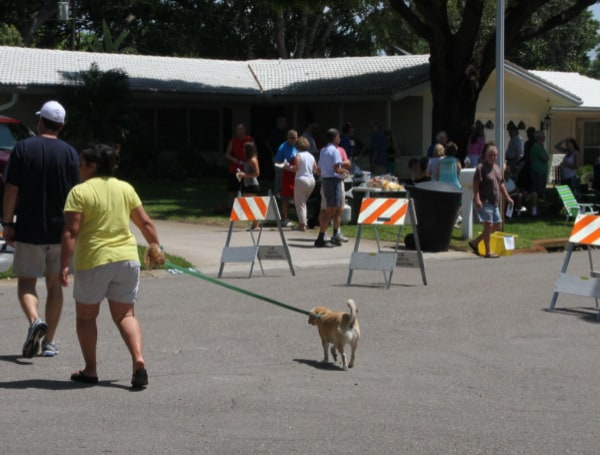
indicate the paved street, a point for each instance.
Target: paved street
{"x":469,"y":364}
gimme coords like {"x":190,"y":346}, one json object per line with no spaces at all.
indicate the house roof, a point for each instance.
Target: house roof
{"x":357,"y":76}
{"x":586,"y":88}
{"x":389,"y":77}
{"x":27,"y":68}
{"x":559,"y":94}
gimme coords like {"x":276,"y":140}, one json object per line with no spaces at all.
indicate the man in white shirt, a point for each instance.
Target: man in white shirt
{"x":331,"y":170}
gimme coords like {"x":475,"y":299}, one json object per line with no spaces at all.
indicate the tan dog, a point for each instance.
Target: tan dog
{"x":337,"y":328}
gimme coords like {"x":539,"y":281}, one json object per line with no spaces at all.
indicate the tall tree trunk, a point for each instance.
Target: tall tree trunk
{"x":455,"y":97}
{"x":454,"y":91}
{"x":39,"y":18}
{"x":312,"y":33}
{"x":280,"y":23}
{"x":301,"y":46}
{"x":247,"y":37}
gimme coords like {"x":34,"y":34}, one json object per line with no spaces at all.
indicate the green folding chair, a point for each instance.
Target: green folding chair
{"x":570,"y":204}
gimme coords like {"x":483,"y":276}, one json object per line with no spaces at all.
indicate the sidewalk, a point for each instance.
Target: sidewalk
{"x":202,"y":246}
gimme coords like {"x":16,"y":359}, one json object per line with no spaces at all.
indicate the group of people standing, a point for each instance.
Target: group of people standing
{"x":299,"y":165}
{"x":64,"y":211}
{"x":441,"y":163}
{"x":488,"y":181}
{"x":528,"y":165}
{"x":525,"y":174}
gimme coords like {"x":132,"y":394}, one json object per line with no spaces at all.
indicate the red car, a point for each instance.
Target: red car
{"x":11,"y":131}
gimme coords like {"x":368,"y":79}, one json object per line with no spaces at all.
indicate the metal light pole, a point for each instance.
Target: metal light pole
{"x":63,"y":11}
{"x":63,"y":15}
{"x":500,"y":93}
{"x":500,"y":81}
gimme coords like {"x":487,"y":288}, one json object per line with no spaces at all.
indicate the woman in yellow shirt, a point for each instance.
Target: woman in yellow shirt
{"x":105,"y":259}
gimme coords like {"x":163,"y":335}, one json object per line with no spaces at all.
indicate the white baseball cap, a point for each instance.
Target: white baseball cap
{"x":52,"y":110}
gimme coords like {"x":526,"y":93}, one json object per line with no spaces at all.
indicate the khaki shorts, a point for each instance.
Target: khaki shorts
{"x":117,"y":281}
{"x":33,"y":261}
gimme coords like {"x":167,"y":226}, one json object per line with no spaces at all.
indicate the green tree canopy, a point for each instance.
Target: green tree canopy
{"x":106,"y":43}
{"x":99,"y":106}
{"x":564,"y":48}
{"x":231,"y":29}
{"x":10,"y":36}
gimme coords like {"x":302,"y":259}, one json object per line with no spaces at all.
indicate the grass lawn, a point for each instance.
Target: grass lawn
{"x":195,"y":201}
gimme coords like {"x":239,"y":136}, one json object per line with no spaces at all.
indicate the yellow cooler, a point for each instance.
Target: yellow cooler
{"x":501,"y":243}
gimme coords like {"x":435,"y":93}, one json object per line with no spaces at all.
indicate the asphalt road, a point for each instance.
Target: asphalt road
{"x":469,"y":364}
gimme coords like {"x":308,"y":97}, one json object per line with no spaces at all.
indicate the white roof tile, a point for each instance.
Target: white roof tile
{"x":345,"y":76}
{"x":584,"y":87}
{"x":349,"y":76}
{"x":43,"y":67}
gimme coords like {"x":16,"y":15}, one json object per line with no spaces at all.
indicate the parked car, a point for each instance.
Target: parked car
{"x":11,"y":131}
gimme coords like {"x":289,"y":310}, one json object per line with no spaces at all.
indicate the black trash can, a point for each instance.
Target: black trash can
{"x":436,"y":205}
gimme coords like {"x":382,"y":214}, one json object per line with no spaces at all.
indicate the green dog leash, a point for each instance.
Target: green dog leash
{"x":197,"y":274}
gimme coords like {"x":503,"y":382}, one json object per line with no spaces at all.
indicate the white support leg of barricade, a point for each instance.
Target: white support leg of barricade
{"x":584,"y":286}
{"x":285,"y":245}
{"x":241,"y":253}
{"x":383,"y":211}
{"x":586,"y":231}
{"x":466,"y":181}
{"x":255,"y":208}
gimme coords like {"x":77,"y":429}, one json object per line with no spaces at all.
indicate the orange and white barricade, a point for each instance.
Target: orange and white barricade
{"x":586,"y":231}
{"x":255,"y":208}
{"x":391,"y":212}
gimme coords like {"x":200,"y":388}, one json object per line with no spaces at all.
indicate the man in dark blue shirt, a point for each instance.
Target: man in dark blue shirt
{"x":41,"y":170}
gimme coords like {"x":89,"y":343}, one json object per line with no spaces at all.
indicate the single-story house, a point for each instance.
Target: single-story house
{"x":195,"y":103}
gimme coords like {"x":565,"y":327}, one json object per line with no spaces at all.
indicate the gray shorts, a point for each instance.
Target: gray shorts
{"x":331,"y":192}
{"x":117,"y":281}
{"x":33,"y":261}
{"x":342,"y":194}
